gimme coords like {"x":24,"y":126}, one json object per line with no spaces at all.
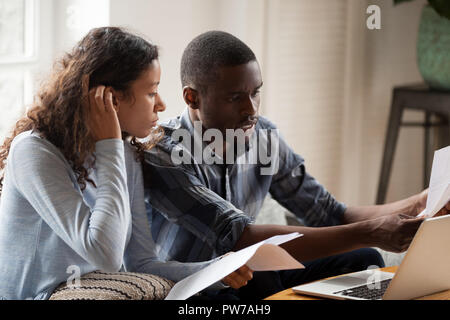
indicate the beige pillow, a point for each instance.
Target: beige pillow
{"x":99,"y":285}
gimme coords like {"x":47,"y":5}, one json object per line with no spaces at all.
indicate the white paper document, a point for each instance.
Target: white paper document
{"x":439,"y":188}
{"x":262,"y":256}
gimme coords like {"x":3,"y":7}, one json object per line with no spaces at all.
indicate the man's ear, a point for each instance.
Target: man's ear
{"x":191,"y":97}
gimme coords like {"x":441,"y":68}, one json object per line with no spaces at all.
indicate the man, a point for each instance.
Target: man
{"x":202,"y":206}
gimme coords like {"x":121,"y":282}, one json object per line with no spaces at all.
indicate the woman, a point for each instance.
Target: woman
{"x":72,"y":189}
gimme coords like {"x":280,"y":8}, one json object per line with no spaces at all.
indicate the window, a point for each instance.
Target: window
{"x":18,"y":53}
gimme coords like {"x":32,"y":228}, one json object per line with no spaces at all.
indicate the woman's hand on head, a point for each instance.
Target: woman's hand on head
{"x":102,"y":116}
{"x":239,"y":278}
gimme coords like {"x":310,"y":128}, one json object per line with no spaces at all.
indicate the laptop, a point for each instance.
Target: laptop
{"x":425,"y":270}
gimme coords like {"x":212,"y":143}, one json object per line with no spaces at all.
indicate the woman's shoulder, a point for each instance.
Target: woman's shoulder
{"x":30,"y":145}
{"x":30,"y":137}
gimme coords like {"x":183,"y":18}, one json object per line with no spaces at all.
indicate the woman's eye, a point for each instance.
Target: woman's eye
{"x":153,"y":94}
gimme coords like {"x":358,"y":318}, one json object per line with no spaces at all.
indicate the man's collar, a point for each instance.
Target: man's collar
{"x":186,"y":122}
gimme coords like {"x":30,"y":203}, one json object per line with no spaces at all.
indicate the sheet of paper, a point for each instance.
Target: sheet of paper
{"x":439,"y":188}
{"x":262,"y":256}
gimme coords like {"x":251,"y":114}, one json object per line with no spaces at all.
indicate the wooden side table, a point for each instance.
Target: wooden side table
{"x":288,"y":294}
{"x":414,"y":97}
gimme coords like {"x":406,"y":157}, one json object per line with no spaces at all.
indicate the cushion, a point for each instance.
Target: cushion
{"x":100,"y":285}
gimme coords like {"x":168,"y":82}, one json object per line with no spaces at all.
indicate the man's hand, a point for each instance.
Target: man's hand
{"x":238,"y":278}
{"x":394,"y":232}
{"x":421,"y":203}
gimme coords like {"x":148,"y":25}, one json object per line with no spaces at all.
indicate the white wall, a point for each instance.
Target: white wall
{"x":304,"y":84}
{"x":173,"y":24}
{"x":370,"y":63}
{"x":390,"y":61}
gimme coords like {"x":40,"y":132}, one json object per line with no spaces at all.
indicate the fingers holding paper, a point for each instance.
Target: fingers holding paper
{"x":265,"y":255}
{"x":438,"y":203}
{"x":395,"y":232}
{"x":438,"y":194}
{"x":421,"y":206}
{"x":239,"y":278}
{"x":444,"y":211}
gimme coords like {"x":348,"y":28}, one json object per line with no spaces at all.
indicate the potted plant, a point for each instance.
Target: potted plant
{"x":433,"y":43}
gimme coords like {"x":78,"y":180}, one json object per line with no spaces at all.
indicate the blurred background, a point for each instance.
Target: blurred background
{"x":328,"y":79}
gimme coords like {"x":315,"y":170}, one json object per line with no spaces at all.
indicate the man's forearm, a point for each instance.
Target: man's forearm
{"x":362,"y":213}
{"x":316,"y":242}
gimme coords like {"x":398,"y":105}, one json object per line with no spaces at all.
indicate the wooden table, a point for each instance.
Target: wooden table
{"x":288,"y":294}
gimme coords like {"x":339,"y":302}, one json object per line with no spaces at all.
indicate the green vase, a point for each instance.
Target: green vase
{"x":433,"y":49}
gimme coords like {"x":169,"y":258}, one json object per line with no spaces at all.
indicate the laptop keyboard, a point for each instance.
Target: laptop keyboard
{"x":366,"y":293}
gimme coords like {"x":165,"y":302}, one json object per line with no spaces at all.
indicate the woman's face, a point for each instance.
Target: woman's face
{"x":138,"y":111}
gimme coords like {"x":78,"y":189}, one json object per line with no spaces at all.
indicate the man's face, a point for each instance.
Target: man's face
{"x":232,"y":100}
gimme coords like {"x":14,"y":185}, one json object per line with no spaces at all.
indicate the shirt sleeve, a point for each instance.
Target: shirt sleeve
{"x":179,"y":195}
{"x":300,"y":193}
{"x":43,"y":177}
{"x":141,"y":254}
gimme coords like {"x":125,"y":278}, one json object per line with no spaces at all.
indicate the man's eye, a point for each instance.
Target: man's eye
{"x":234,"y":98}
{"x":153,"y":94}
{"x":256,"y":93}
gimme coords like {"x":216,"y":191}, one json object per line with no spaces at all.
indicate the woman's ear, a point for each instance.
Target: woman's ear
{"x":191,"y":97}
{"x":115,"y":103}
{"x":116,"y":97}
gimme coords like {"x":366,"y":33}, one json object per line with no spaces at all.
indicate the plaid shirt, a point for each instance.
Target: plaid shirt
{"x":198,"y":211}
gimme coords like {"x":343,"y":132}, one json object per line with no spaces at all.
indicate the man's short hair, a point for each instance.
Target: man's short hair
{"x":208,"y":51}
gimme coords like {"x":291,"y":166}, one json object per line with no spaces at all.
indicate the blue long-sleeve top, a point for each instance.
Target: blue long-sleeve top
{"x":49,"y":227}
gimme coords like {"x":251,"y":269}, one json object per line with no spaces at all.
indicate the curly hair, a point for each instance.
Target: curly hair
{"x":108,"y":56}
